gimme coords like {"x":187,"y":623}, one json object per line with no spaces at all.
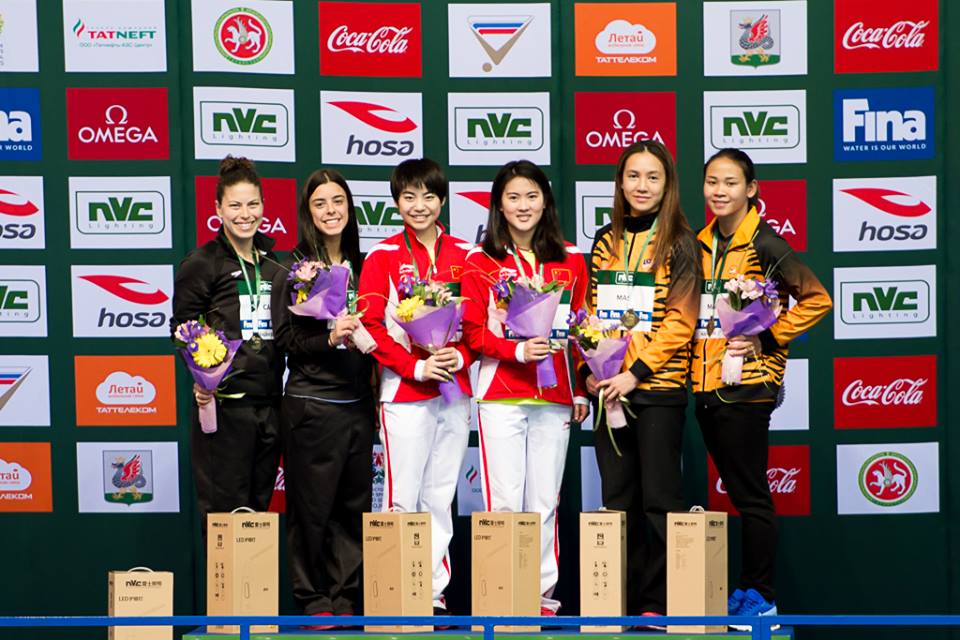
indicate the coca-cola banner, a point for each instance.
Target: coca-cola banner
{"x":379,"y":39}
{"x":788,"y":472}
{"x":896,"y":391}
{"x":872,"y":36}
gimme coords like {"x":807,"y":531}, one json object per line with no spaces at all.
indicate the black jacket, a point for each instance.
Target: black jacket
{"x":206,"y":284}
{"x":317,"y":370}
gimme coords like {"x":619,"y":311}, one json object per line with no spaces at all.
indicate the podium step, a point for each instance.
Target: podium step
{"x":200,"y":633}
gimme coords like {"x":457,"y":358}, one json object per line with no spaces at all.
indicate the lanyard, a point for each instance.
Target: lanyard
{"x":519,"y":263}
{"x":643,"y":249}
{"x":715,"y":277}
{"x":413,"y":259}
{"x":254,"y":297}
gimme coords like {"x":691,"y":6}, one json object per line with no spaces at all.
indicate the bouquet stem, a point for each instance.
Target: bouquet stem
{"x":546,"y":373}
{"x":450,"y":391}
{"x":732,"y":369}
{"x":208,"y":417}
{"x":362,"y":340}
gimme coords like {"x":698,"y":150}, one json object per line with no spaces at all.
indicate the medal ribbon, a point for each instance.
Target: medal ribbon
{"x":433,"y":262}
{"x":716,"y":276}
{"x":517,"y":261}
{"x":626,"y":258}
{"x":255,"y":298}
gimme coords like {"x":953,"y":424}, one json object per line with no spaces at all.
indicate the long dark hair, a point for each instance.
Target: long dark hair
{"x":672,"y":225}
{"x":310,"y":237}
{"x":548,"y":245}
{"x":235,"y":170}
{"x":742,"y":160}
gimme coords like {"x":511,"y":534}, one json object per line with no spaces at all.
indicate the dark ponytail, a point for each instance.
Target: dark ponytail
{"x":235,"y":170}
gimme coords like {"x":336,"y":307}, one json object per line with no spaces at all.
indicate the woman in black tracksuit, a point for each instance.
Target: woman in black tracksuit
{"x":327,"y":415}
{"x":228,"y":281}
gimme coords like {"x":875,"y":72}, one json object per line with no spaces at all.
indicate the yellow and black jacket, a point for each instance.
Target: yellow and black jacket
{"x":659,"y":357}
{"x":755,"y":251}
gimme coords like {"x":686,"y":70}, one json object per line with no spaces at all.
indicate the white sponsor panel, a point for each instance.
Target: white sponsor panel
{"x":499,"y":40}
{"x":24,"y":391}
{"x":21,"y":212}
{"x":594,"y":208}
{"x":23,"y":302}
{"x":591,"y":498}
{"x":771,"y":126}
{"x":370,"y":128}
{"x":885,"y":214}
{"x":794,"y":413}
{"x":128,"y":477}
{"x":255,"y":36}
{"x":377,"y":213}
{"x":494,"y":128}
{"x":469,"y":492}
{"x":755,"y":38}
{"x":469,"y":210}
{"x":885,"y":302}
{"x":120,"y":212}
{"x":253,"y":123}
{"x":113,"y":301}
{"x":18,"y":36}
{"x":888,"y":478}
{"x":114,"y":35}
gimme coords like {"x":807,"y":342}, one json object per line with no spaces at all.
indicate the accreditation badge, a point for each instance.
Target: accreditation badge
{"x":625,"y":300}
{"x":260,"y":316}
{"x":708,"y":324}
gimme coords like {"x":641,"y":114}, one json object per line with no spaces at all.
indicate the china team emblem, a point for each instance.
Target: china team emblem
{"x":128,"y":477}
{"x":243,"y":36}
{"x":755,"y":37}
{"x":888,"y":478}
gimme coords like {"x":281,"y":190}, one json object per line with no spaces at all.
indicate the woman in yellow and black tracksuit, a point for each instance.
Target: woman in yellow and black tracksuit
{"x":734,"y":419}
{"x":644,"y":281}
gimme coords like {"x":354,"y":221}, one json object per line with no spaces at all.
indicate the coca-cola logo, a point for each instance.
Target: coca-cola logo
{"x":780,"y":479}
{"x":900,"y":392}
{"x":788,"y":476}
{"x":903,"y":34}
{"x":392,"y":40}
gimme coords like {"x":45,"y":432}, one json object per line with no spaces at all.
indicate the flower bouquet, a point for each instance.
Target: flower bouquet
{"x":749,"y":308}
{"x":430,"y":315}
{"x":209,"y":357}
{"x":528,"y":307}
{"x":320,"y":292}
{"x":603,"y":352}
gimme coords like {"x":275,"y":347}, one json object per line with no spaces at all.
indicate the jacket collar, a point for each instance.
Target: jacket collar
{"x":741,"y":237}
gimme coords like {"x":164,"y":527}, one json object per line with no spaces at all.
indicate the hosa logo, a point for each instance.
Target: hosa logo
{"x":19,"y":124}
{"x":380,"y":39}
{"x":769,"y":124}
{"x":898,"y":391}
{"x":120,"y":212}
{"x":880,"y":214}
{"x":255,"y":123}
{"x":606,"y":123}
{"x":885,"y":302}
{"x":872,"y":37}
{"x":469,"y":210}
{"x":370,"y":128}
{"x":489,"y":129}
{"x":883,"y":124}
{"x":117,"y":124}
{"x":119,"y":301}
{"x":21,"y":212}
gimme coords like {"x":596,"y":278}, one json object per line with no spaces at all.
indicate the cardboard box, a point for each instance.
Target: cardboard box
{"x":506,"y":566}
{"x":697,"y":568}
{"x":397,"y":569}
{"x":140,"y":593}
{"x":603,"y":567}
{"x":242,"y":568}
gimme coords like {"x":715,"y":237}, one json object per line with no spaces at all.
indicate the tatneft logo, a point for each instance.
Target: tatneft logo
{"x":888,"y":478}
{"x":370,"y":128}
{"x":380,"y":39}
{"x":788,"y":474}
{"x":21,"y":212}
{"x":632,"y":39}
{"x":769,"y":125}
{"x":594,"y":208}
{"x":120,"y":212}
{"x":897,"y":391}
{"x":23,"y":304}
{"x":117,"y":124}
{"x":127,"y":477}
{"x":18,"y":37}
{"x":886,"y":302}
{"x":883,"y":124}
{"x":606,"y":123}
{"x":490,"y":129}
{"x":499,"y":40}
{"x":758,"y":38}
{"x":377,"y":213}
{"x":256,"y":37}
{"x":121,"y":301}
{"x":125,"y":390}
{"x":114,"y":35}
{"x":872,"y":37}
{"x":255,"y":123}
{"x":20,"y":124}
{"x":469,"y":209}
{"x":280,"y":210}
{"x":882,"y":214}
{"x":24,"y":391}
{"x":25,"y":479}
{"x":783,"y":205}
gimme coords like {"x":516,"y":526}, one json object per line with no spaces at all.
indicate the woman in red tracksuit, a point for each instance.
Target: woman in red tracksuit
{"x":524,"y":430}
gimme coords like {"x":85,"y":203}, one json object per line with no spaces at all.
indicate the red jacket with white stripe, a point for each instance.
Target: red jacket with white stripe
{"x":502,"y":376}
{"x":386,"y":262}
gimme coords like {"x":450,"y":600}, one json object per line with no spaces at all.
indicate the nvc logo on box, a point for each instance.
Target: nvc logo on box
{"x":883,"y":124}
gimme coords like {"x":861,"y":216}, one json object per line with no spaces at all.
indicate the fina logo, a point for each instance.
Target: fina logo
{"x":884,"y":124}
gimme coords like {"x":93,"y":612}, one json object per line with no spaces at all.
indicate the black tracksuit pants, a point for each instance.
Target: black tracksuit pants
{"x":737,"y":438}
{"x":646,"y":483}
{"x":327,"y":472}
{"x":236,"y":466}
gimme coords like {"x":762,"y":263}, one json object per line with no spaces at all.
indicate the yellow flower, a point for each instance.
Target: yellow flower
{"x":302,"y":295}
{"x":210,"y":351}
{"x":408,"y":307}
{"x":593,"y":334}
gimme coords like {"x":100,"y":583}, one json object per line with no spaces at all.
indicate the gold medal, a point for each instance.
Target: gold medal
{"x":629,"y":319}
{"x":256,"y":342}
{"x":710,"y":327}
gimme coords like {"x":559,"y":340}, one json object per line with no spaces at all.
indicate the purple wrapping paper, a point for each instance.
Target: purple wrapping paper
{"x":432,"y":331}
{"x":607,"y":359}
{"x":209,"y":380}
{"x":327,"y":297}
{"x":530,"y":314}
{"x":749,"y":321}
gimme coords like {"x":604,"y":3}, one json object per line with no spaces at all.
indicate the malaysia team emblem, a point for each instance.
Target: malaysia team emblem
{"x":888,"y":478}
{"x":755,"y":37}
{"x":243,"y":36}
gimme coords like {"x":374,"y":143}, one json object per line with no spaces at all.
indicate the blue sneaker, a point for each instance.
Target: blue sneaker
{"x":735,"y":601}
{"x":754,"y":604}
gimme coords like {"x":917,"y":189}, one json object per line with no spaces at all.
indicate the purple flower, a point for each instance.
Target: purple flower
{"x":501,"y":290}
{"x":189,"y":331}
{"x":405,"y":287}
{"x":770,"y":290}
